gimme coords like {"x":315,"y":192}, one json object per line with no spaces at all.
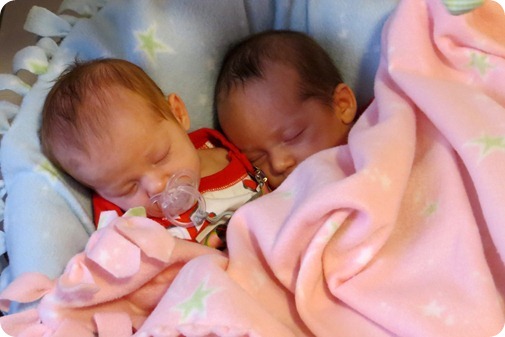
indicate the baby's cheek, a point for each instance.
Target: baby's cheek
{"x":137,"y":201}
{"x":318,"y":144}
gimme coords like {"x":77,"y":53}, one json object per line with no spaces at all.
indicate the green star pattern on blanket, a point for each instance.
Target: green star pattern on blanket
{"x":489,"y":144}
{"x":150,"y":45}
{"x":480,"y":62}
{"x":430,"y":209}
{"x":37,"y":67}
{"x":196,"y":302}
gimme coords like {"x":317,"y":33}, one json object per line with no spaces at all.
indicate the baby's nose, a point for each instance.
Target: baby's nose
{"x":153,"y":184}
{"x":281,"y":160}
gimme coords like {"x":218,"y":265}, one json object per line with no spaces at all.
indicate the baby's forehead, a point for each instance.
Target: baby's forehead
{"x":91,"y":161}
{"x":73,"y":159}
{"x":111,"y":104}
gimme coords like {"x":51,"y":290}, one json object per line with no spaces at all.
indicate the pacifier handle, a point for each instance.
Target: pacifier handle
{"x":179,"y":196}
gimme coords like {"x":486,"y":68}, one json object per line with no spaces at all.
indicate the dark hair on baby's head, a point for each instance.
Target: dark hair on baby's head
{"x":247,"y":59}
{"x":74,"y":109}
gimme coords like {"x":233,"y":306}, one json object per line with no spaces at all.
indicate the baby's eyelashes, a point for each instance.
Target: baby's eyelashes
{"x":131,"y":189}
{"x":256,"y":159}
{"x":293,"y":137}
{"x":125,"y":191}
{"x":161,"y":159}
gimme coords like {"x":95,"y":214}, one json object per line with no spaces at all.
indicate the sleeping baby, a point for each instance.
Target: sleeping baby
{"x":109,"y":126}
{"x":279,"y":98}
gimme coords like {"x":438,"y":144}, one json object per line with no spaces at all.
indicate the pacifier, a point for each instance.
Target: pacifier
{"x":180,"y":196}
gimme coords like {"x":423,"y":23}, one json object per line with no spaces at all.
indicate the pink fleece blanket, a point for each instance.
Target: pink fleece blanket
{"x":398,"y":233}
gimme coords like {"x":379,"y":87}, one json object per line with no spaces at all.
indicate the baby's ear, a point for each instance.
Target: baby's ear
{"x":345,"y":104}
{"x":178,"y":109}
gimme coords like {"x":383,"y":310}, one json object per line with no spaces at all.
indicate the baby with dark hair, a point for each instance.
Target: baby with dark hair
{"x":280,"y":98}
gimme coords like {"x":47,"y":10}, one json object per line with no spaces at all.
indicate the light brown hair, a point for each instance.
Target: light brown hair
{"x":73,"y":112}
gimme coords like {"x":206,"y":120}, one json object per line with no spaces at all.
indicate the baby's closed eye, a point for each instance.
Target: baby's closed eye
{"x":294,"y":136}
{"x":256,"y":158}
{"x":124,"y":191}
{"x":162,"y":157}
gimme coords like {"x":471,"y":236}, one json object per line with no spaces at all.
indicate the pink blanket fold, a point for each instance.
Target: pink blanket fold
{"x":398,"y":233}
